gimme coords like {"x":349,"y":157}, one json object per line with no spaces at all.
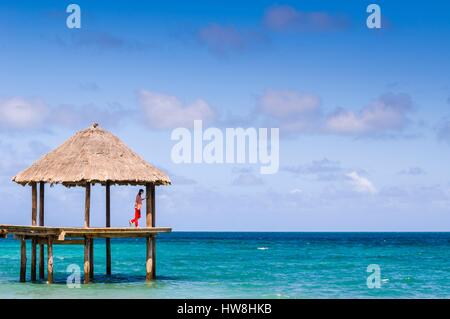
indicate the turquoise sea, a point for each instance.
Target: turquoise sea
{"x":250,"y":265}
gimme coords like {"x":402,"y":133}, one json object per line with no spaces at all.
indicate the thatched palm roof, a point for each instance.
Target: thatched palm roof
{"x":92,"y":155}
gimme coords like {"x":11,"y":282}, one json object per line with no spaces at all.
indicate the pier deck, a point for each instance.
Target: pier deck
{"x":75,"y":232}
{"x":46,"y":235}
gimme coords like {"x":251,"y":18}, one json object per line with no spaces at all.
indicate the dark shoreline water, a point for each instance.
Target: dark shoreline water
{"x":252,"y":265}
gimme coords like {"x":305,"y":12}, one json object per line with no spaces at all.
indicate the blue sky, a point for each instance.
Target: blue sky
{"x":368,"y":153}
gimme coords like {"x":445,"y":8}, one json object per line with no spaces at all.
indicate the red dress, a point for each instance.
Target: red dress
{"x":137,"y":210}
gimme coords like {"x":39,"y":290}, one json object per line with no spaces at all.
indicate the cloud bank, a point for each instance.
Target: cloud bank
{"x":296,"y":112}
{"x":387,"y":113}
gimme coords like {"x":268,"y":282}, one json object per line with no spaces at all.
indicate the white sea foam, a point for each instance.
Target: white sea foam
{"x":263,"y":248}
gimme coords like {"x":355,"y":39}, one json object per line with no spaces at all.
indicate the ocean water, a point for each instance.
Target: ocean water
{"x":249,"y":265}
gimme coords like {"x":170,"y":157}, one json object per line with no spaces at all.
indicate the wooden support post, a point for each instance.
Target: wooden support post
{"x":41,"y":203}
{"x":89,"y":250}
{"x":108,"y":256}
{"x":33,"y":260}
{"x":33,"y":223}
{"x":50,"y":260}
{"x":150,"y":205}
{"x":41,"y":262}
{"x":87,"y":206}
{"x":23,"y":259}
{"x":87,"y":247}
{"x":91,"y":259}
{"x":150,"y":242}
{"x":108,"y":224}
{"x":153,"y":205}
{"x":149,"y":260}
{"x":153,"y":201}
{"x":33,"y":204}
{"x":41,"y":223}
{"x":154,"y":256}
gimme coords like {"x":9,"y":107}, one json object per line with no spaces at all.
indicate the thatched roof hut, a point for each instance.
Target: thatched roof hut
{"x":92,"y":156}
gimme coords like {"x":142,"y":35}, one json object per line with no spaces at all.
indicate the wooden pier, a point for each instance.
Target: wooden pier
{"x":49,"y":236}
{"x":92,"y":156}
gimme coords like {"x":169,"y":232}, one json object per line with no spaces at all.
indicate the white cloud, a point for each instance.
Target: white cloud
{"x":387,"y":113}
{"x":295,"y":191}
{"x":296,"y":112}
{"x":21,"y":113}
{"x":167,"y":111}
{"x":361,"y":184}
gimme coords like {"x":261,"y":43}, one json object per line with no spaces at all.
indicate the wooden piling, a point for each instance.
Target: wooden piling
{"x":41,"y":262}
{"x":150,"y":242}
{"x":23,"y":259}
{"x":91,"y":259}
{"x":33,"y":260}
{"x":87,"y":246}
{"x":108,"y":224}
{"x":50,"y":260}
{"x":150,"y":222}
{"x":34,"y":223}
{"x":153,"y":257}
{"x":153,"y":225}
{"x":41,"y":223}
{"x":149,"y":259}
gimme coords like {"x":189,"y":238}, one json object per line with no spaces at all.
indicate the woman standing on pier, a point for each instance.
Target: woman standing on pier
{"x":137,"y":209}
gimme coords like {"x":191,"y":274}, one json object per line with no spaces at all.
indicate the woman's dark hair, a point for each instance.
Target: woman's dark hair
{"x":141,"y":191}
